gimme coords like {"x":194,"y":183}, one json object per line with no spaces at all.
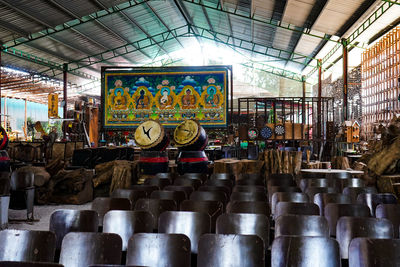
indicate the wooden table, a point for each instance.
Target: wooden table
{"x":325,"y":171}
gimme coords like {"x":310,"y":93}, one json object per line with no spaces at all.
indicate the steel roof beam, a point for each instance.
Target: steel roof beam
{"x":275,"y":71}
{"x":220,"y":2}
{"x":44,"y":62}
{"x":270,"y":22}
{"x":162,"y":21}
{"x":357,"y":32}
{"x":71,"y":24}
{"x":65,"y":10}
{"x":251,"y":47}
{"x":185,"y":14}
{"x":312,"y":17}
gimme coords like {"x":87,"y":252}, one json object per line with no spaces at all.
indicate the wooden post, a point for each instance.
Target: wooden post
{"x":5,"y":113}
{"x":65,"y":97}
{"x":345,"y":79}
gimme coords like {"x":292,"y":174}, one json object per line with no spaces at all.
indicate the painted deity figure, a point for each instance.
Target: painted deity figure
{"x":142,"y":101}
{"x":119,"y":100}
{"x":165,"y":99}
{"x":211,"y":98}
{"x":188,"y":99}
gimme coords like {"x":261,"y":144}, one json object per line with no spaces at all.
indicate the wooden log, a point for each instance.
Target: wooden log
{"x":383,"y":159}
{"x":286,"y":162}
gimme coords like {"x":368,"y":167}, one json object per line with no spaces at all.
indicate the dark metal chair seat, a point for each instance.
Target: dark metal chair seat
{"x":201,"y":176}
{"x":177,"y":196}
{"x":25,"y":245}
{"x":222,"y":176}
{"x":213,"y":208}
{"x":190,"y":223}
{"x":312,"y":191}
{"x":195,"y":183}
{"x":219,"y":182}
{"x":322,"y":182}
{"x":353,"y":192}
{"x":132,"y":194}
{"x":160,"y":182}
{"x":28,"y":264}
{"x":210,"y":195}
{"x":186,"y":189}
{"x":274,"y":189}
{"x":322,"y":199}
{"x":211,"y":188}
{"x":249,"y":188}
{"x":294,"y":197}
{"x":305,"y":251}
{"x":231,"y":251}
{"x":84,"y":249}
{"x":371,"y":252}
{"x":126,"y":223}
{"x":252,"y":207}
{"x":161,"y":250}
{"x":145,"y":188}
{"x":291,"y":208}
{"x":64,"y":221}
{"x":104,"y":204}
{"x":333,"y":212}
{"x":348,"y":228}
{"x":248,"y":196}
{"x":390,"y":212}
{"x":301,"y":225}
{"x":156,"y":207}
{"x":244,"y":224}
{"x":373,"y":200}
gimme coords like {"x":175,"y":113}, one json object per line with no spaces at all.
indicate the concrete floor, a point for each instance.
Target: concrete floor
{"x":17,"y":218}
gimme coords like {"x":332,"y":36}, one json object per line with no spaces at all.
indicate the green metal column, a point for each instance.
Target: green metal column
{"x":65,"y":67}
{"x":319,"y":103}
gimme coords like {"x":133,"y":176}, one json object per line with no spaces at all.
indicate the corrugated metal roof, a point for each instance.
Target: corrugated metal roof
{"x":140,"y":32}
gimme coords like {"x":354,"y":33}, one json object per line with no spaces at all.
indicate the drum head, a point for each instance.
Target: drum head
{"x":186,"y":132}
{"x":148,"y":134}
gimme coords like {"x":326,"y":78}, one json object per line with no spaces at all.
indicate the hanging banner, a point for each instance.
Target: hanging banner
{"x":169,"y":95}
{"x":52,"y":105}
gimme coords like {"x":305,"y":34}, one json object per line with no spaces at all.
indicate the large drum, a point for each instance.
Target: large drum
{"x":190,"y":136}
{"x":192,"y":162}
{"x":3,"y":139}
{"x":150,"y":135}
{"x":153,"y":162}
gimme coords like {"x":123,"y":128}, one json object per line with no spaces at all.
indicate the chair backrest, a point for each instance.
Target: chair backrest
{"x":244,"y":224}
{"x":322,"y":199}
{"x":339,"y":175}
{"x":392,"y":213}
{"x":305,"y":251}
{"x":249,"y":188}
{"x":372,"y":252}
{"x":67,"y":220}
{"x":287,"y":208}
{"x":222,"y":176}
{"x":217,"y":250}
{"x":167,"y":175}
{"x":312,"y":191}
{"x":212,"y":208}
{"x":348,"y":228}
{"x":103,"y":204}
{"x":145,"y":188}
{"x":224,"y":189}
{"x":186,"y":189}
{"x":301,"y":225}
{"x":209,"y":195}
{"x":287,"y":197}
{"x":353,"y":192}
{"x":21,"y":180}
{"x":177,"y":196}
{"x":125,"y":223}
{"x":351,"y":182}
{"x":252,"y":207}
{"x":155,"y":207}
{"x":5,"y":187}
{"x":333,"y":211}
{"x":281,"y":182}
{"x":132,"y":194}
{"x":201,"y":176}
{"x":190,"y":223}
{"x":274,"y":189}
{"x":160,"y":182}
{"x":250,"y":176}
{"x":322,"y":182}
{"x":161,"y":250}
{"x":373,"y":200}
{"x":219,"y":182}
{"x":25,"y":245}
{"x":250,"y":181}
{"x":83,"y":249}
{"x":195,"y":183}
{"x":280,"y":176}
{"x":248,"y":196}
{"x":28,"y":264}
